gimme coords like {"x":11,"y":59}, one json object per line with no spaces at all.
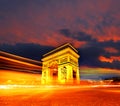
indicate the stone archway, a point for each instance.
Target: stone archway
{"x":58,"y":65}
{"x":74,"y":74}
{"x":54,"y":71}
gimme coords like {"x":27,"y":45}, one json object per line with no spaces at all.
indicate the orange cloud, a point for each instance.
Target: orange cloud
{"x":55,"y":39}
{"x":104,"y":59}
{"x":115,"y":58}
{"x":111,"y":50}
{"x":115,"y":38}
{"x":32,"y":23}
{"x":106,"y":33}
{"x":109,"y":60}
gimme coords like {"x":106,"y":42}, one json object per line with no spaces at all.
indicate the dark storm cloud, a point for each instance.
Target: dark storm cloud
{"x":33,"y":51}
{"x":90,"y":55}
{"x":81,"y":36}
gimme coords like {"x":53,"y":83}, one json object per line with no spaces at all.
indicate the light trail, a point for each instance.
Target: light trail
{"x":57,"y":86}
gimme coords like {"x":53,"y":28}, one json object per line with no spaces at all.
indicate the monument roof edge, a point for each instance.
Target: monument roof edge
{"x":61,"y":48}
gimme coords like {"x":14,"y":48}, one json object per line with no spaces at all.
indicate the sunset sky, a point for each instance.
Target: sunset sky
{"x":31,"y":28}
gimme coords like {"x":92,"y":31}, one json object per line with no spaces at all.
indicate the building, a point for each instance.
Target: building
{"x":61,"y":65}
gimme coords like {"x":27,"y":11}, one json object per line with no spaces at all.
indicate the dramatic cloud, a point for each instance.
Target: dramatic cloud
{"x":92,"y":26}
{"x":29,"y":50}
{"x":104,"y":59}
{"x":110,"y":60}
{"x":36,"y":21}
{"x":111,"y":50}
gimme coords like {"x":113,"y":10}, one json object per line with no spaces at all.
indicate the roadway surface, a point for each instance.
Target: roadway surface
{"x":59,"y":96}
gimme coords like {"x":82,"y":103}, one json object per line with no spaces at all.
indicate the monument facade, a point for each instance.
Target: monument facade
{"x":61,"y":65}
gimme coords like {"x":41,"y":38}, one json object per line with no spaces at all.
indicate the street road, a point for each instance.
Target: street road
{"x":59,"y":96}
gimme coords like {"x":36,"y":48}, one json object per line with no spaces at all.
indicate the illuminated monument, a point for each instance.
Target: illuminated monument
{"x":61,"y":65}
